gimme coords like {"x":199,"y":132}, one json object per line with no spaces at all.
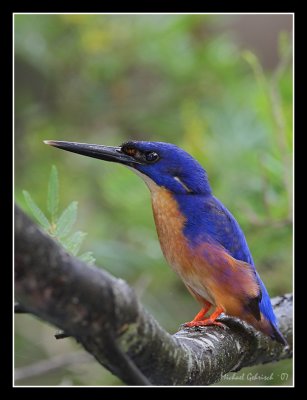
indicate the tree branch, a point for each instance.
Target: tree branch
{"x":105,"y":316}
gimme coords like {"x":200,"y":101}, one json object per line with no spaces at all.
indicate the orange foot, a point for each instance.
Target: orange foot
{"x":208,"y":321}
{"x":205,"y":322}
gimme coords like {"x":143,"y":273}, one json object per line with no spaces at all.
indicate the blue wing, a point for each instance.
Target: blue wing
{"x":208,"y":219}
{"x":234,"y":241}
{"x":226,"y":230}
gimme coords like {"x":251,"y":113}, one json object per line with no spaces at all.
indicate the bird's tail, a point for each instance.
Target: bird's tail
{"x":278,"y":336}
{"x":268,"y":323}
{"x":267,"y":327}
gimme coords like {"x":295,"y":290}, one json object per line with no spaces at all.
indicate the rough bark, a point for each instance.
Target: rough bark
{"x":105,"y":316}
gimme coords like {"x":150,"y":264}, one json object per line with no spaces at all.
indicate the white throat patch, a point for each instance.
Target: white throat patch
{"x":152,"y":186}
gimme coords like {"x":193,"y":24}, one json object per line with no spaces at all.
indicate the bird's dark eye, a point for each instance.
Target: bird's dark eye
{"x":151,"y":156}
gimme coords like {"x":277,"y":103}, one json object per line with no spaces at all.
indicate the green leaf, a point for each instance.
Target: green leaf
{"x":73,"y":242}
{"x":36,"y":211}
{"x":53,"y":194}
{"x":66,"y":220}
{"x":87,"y":257}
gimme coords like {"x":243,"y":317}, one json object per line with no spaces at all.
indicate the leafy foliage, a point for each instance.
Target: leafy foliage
{"x":36,"y":211}
{"x":59,"y":228}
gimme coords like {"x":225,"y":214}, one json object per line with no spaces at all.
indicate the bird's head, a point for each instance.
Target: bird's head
{"x":159,"y":163}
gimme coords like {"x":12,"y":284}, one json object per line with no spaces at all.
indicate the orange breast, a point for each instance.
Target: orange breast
{"x":170,"y":223}
{"x":208,"y":271}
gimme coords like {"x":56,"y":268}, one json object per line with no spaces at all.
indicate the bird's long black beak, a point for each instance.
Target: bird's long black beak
{"x":107,"y":153}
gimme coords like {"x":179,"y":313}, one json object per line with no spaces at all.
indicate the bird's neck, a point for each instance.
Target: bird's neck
{"x":173,"y":214}
{"x":176,"y":214}
{"x":171,"y":224}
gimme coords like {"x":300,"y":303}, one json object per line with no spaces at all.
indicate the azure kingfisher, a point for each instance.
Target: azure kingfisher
{"x":199,"y":237}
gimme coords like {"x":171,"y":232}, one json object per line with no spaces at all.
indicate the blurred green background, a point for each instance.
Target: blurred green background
{"x":220,"y":86}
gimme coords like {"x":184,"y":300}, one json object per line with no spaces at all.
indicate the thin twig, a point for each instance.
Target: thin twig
{"x":278,"y":117}
{"x":52,"y":364}
{"x":256,"y":222}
